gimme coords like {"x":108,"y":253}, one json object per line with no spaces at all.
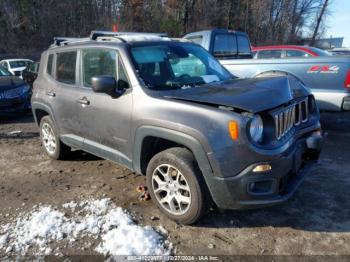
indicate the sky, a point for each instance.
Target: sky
{"x":339,"y":21}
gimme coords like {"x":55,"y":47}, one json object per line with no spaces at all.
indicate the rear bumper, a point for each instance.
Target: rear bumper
{"x":250,"y":189}
{"x":332,"y":100}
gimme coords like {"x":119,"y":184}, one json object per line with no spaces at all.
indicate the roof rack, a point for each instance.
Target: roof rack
{"x":58,"y":41}
{"x":111,"y":36}
{"x":95,"y":34}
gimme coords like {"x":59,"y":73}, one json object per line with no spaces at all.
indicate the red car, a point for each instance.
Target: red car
{"x":287,"y":51}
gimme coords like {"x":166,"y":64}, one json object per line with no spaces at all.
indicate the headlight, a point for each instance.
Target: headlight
{"x":256,"y":128}
{"x":16,"y":92}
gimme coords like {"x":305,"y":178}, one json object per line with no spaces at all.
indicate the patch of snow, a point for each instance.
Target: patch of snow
{"x":118,"y":241}
{"x":36,"y":231}
{"x":162,"y":230}
{"x":69,"y":205}
{"x":3,"y":239}
{"x":16,"y":132}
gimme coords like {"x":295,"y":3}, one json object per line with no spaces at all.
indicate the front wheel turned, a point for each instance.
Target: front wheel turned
{"x":176,"y":185}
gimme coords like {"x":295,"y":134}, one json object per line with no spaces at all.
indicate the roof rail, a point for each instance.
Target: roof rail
{"x":95,"y":34}
{"x":110,"y":38}
{"x":58,"y":41}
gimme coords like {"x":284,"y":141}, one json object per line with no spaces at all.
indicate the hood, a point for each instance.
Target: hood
{"x":10,"y":82}
{"x":252,"y":95}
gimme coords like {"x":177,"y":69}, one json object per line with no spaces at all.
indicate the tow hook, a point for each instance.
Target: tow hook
{"x":315,"y":140}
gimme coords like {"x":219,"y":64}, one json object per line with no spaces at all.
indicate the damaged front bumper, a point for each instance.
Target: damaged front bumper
{"x":257,"y":187}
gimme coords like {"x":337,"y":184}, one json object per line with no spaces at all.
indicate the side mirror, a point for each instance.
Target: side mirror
{"x":104,"y":84}
{"x":122,"y":85}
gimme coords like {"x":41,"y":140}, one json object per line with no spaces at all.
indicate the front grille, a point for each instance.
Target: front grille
{"x":288,"y":117}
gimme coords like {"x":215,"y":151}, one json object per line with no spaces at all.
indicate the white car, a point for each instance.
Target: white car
{"x":15,"y":66}
{"x":340,"y":51}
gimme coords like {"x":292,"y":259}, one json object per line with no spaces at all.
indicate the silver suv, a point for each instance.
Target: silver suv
{"x":169,"y":110}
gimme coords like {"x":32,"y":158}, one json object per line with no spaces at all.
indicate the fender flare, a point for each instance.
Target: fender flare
{"x":44,"y":107}
{"x":178,"y":137}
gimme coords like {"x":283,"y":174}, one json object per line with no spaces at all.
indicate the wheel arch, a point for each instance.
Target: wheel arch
{"x":146,"y":136}
{"x":40,"y":110}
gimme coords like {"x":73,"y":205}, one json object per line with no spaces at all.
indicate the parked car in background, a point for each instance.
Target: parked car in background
{"x":287,"y":51}
{"x":30,"y":73}
{"x":15,"y":66}
{"x":14,"y":93}
{"x":328,"y":77}
{"x":340,"y":51}
{"x":170,"y":111}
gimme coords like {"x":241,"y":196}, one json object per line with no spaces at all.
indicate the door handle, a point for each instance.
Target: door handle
{"x":51,"y":93}
{"x":84,"y":101}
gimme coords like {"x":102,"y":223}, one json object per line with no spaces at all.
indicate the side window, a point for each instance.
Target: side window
{"x":225,"y":44}
{"x":66,"y":67}
{"x":97,"y":62}
{"x":49,"y":65}
{"x":296,"y":53}
{"x":269,"y":54}
{"x":36,"y":67}
{"x":31,"y":67}
{"x":196,"y":39}
{"x":243,"y":45}
{"x":123,"y":81}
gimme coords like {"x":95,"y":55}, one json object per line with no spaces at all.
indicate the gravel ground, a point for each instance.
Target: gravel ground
{"x":316,"y":221}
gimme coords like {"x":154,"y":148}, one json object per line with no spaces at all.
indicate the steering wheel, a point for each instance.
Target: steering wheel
{"x":184,"y":76}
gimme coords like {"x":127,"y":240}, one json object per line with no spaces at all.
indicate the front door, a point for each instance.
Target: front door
{"x":105,"y":120}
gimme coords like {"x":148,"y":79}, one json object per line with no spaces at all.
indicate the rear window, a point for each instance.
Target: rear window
{"x":269,"y":54}
{"x":243,"y":45}
{"x":50,"y":65}
{"x":225,"y":45}
{"x":66,"y":67}
{"x":320,"y":52}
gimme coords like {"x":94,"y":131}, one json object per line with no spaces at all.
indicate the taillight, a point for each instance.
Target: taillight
{"x":347,"y":81}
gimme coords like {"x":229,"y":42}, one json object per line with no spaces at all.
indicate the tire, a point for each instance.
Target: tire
{"x":56,"y":150}
{"x":183,"y":172}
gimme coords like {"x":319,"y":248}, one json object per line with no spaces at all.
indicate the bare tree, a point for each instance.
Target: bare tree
{"x":29,"y":25}
{"x":318,"y":21}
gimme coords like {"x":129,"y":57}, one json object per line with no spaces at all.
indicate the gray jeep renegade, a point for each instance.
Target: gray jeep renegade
{"x":169,"y":110}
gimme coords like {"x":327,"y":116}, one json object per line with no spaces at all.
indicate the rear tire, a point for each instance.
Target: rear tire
{"x":176,"y":185}
{"x":53,"y":146}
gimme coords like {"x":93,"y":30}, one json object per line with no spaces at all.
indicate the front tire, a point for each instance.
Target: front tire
{"x":176,"y":185}
{"x":53,"y":146}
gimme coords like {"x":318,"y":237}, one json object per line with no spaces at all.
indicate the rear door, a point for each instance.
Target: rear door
{"x":105,"y":121}
{"x":63,"y":93}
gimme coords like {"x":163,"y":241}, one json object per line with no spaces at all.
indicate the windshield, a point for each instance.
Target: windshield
{"x":19,"y":63}
{"x":176,"y":65}
{"x":320,"y":52}
{"x":4,"y":72}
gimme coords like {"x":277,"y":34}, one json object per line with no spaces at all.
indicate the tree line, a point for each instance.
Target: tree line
{"x":30,"y":25}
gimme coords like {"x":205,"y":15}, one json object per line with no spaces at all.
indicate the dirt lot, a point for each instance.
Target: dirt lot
{"x":315,"y":221}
